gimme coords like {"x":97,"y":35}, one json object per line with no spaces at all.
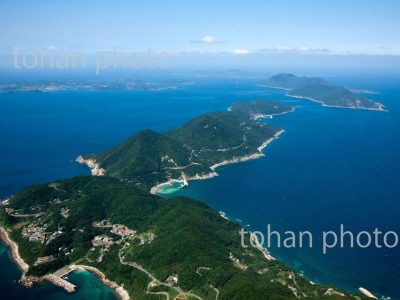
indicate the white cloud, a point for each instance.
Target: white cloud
{"x":207,"y":40}
{"x":240,"y":51}
{"x":294,"y":50}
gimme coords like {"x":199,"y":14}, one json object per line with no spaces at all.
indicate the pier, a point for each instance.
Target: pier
{"x":64,"y":271}
{"x":56,"y":279}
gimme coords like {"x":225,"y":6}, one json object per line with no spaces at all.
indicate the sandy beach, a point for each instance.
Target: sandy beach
{"x":14,"y":253}
{"x":367,"y":293}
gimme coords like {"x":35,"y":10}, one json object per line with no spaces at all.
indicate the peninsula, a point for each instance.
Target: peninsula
{"x":152,"y":160}
{"x":318,"y":90}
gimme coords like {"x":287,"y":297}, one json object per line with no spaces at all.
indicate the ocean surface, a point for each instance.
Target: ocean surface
{"x":331,"y":166}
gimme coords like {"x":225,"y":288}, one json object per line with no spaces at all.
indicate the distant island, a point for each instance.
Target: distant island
{"x":291,"y":82}
{"x":318,"y":90}
{"x":153,"y":161}
{"x":57,"y":86}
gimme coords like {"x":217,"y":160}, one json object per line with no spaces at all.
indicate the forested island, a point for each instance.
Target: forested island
{"x":144,"y":246}
{"x":151,"y":160}
{"x":318,"y":90}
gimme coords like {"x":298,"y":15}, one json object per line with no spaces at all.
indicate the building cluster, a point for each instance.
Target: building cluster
{"x":35,"y":233}
{"x":102,"y":240}
{"x":122,"y":230}
{"x":39,"y":233}
{"x":117,"y":229}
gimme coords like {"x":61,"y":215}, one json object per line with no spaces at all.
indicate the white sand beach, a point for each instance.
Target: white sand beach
{"x":367,"y":293}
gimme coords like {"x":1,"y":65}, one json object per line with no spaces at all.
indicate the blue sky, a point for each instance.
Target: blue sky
{"x":259,"y":33}
{"x":335,"y":26}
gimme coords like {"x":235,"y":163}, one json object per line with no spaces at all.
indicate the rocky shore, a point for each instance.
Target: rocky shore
{"x":94,"y":167}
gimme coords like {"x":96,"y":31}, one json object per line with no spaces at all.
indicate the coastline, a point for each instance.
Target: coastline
{"x":27,"y":281}
{"x":185,"y":180}
{"x":367,"y":293}
{"x":267,"y":255}
{"x":273,"y":87}
{"x":380,"y":105}
{"x":269,"y":116}
{"x":14,"y":252}
{"x":120,"y":292}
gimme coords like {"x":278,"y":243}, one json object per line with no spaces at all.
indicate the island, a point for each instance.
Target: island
{"x":318,"y":90}
{"x":259,"y":109}
{"x":158,"y":161}
{"x":290,"y":81}
{"x":82,"y":85}
{"x":141,"y":245}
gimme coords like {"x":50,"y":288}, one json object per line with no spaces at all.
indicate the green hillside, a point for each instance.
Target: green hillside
{"x":335,"y":96}
{"x":258,"y":108}
{"x":290,"y":81}
{"x":149,"y":158}
{"x":175,"y":238}
{"x":317,"y":89}
{"x":145,"y":158}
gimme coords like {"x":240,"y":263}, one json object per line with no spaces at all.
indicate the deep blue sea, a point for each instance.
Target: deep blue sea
{"x":330,"y":167}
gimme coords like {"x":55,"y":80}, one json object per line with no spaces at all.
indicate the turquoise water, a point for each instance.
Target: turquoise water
{"x":89,"y":286}
{"x":331,"y":166}
{"x":169,"y":189}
